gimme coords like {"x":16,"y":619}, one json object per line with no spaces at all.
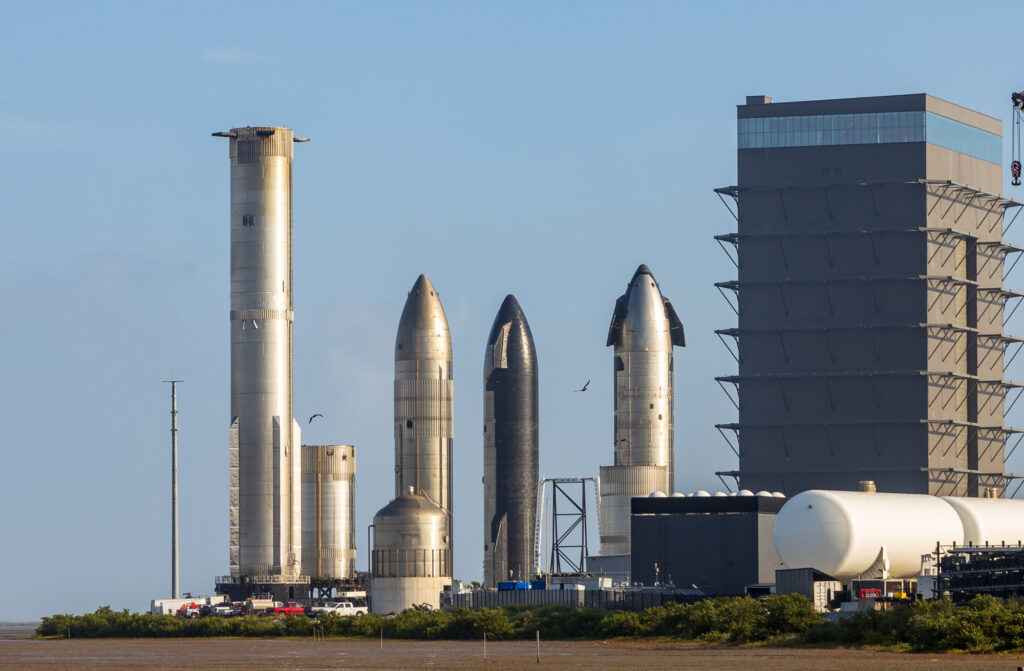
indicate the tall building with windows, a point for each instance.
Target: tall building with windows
{"x":869,"y":252}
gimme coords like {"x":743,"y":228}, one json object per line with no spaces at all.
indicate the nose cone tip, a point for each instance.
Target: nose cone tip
{"x":510,"y":307}
{"x":423,"y":286}
{"x":642,"y":271}
{"x":422,"y":314}
{"x":522,"y":354}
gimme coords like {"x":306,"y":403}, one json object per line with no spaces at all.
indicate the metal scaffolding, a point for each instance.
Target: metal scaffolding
{"x":967,"y":287}
{"x":568,"y":526}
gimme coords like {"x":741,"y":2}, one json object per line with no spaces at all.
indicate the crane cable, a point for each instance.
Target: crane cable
{"x":1015,"y":166}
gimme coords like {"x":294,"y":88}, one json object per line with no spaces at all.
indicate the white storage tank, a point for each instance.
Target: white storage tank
{"x":992,"y":521}
{"x":411,"y":560}
{"x":328,"y":511}
{"x":842,"y":533}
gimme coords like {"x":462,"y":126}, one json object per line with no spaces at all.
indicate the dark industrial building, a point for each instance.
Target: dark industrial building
{"x":718,"y":544}
{"x":869,"y":294}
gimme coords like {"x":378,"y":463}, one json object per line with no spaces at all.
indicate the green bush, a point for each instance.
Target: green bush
{"x":253,"y":626}
{"x":470,"y":624}
{"x":296,"y":625}
{"x":787,"y":614}
{"x":620,"y":623}
{"x":215,"y":626}
{"x":558,"y":622}
{"x":985,"y":624}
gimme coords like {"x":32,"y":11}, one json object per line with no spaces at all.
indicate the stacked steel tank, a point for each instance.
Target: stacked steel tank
{"x":423,"y":398}
{"x":412,"y":563}
{"x":328,"y":509}
{"x":265,"y":506}
{"x":510,"y":446}
{"x":644,"y":329}
{"x":413,"y":534}
{"x":291,"y":514}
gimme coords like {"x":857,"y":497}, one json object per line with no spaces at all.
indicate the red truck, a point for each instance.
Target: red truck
{"x":290,"y":608}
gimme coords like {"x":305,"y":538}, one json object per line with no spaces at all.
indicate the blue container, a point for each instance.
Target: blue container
{"x":522,"y":585}
{"x":506,"y":586}
{"x":538,"y":584}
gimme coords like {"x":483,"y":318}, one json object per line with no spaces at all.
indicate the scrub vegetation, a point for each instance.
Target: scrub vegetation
{"x":986,"y":624}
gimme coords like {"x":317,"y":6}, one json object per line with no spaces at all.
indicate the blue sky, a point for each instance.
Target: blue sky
{"x":543,"y":149}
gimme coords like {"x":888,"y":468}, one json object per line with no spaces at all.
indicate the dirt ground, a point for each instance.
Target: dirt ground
{"x":606,"y":656}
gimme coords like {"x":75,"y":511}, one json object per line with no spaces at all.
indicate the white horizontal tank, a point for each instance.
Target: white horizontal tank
{"x":992,"y":521}
{"x":842,"y":533}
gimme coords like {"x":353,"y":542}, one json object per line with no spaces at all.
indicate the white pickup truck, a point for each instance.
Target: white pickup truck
{"x":340,"y":608}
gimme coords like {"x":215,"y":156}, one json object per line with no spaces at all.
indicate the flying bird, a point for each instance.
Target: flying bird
{"x":584,"y":386}
{"x":314,"y":417}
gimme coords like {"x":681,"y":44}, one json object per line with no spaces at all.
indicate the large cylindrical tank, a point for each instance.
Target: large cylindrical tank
{"x":619,"y":485}
{"x":265,"y":512}
{"x":328,"y":511}
{"x":644,"y":330}
{"x":510,"y":446}
{"x":423,"y":399}
{"x":992,"y":521}
{"x":411,"y":560}
{"x":842,"y":533}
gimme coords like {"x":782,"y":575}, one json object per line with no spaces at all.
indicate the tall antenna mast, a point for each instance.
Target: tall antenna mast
{"x":174,"y":487}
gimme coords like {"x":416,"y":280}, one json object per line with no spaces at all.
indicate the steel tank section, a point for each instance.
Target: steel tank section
{"x":411,"y":562}
{"x":842,"y":533}
{"x":328,"y":511}
{"x":511,"y":453}
{"x":265,"y":507}
{"x":992,"y":521}
{"x":644,"y":329}
{"x":423,"y":400}
{"x":619,"y":484}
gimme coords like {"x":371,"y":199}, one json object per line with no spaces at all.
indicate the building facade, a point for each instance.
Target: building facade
{"x":869,"y":296}
{"x":720,"y":545}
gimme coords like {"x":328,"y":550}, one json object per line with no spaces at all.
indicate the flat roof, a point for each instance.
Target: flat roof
{"x":682,"y":505}
{"x":909,"y":102}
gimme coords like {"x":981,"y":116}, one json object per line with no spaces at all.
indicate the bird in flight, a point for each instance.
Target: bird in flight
{"x":314,"y":417}
{"x":584,"y":388}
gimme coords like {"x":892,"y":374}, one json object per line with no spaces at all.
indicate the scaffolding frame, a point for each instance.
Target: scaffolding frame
{"x":568,"y":529}
{"x":957,"y":199}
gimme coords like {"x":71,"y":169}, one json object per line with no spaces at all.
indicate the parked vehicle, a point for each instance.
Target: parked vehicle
{"x":189,"y":611}
{"x":260,"y":605}
{"x":229,"y":609}
{"x":291,"y":608}
{"x":340,"y":608}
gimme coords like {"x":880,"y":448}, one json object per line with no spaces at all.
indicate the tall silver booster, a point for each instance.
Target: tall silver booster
{"x":423,"y":400}
{"x":644,"y":329}
{"x":265,"y":506}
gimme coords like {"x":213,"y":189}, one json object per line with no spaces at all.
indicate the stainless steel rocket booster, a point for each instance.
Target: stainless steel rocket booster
{"x":644,"y":329}
{"x":265,"y":514}
{"x":510,"y":446}
{"x":423,"y":400}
